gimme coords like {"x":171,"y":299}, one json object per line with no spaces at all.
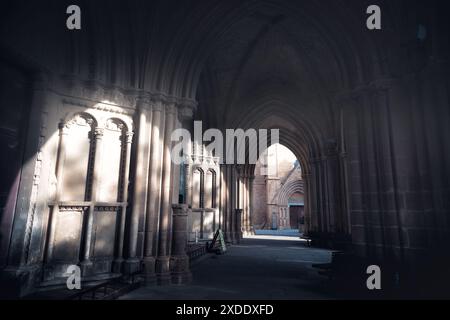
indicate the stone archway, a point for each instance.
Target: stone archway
{"x":350,"y":104}
{"x":294,"y":211}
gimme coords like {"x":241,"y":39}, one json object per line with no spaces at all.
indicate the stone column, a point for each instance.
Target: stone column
{"x":307,"y":207}
{"x":229,"y":209}
{"x":179,"y":260}
{"x":154,"y":195}
{"x":343,"y":169}
{"x":59,"y":172}
{"x":162,"y":261}
{"x":222,"y":204}
{"x":233,"y":198}
{"x":241,"y":198}
{"x":238,"y":225}
{"x":132,"y":264}
{"x":314,"y":197}
{"x":21,"y":272}
{"x":185,"y":112}
{"x":250,"y":204}
{"x":217,"y":218}
{"x":246,"y":204}
{"x":188,"y":181}
{"x":118,"y":261}
{"x":269,"y":215}
{"x":86,"y":264}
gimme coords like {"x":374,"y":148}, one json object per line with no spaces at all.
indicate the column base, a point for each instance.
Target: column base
{"x":86,"y":267}
{"x":248,"y":233}
{"x":236,"y":238}
{"x":117,"y":265}
{"x":149,"y":271}
{"x":163,"y":275}
{"x":131,"y":266}
{"x":228,"y":237}
{"x":17,"y":282}
{"x":179,"y":267}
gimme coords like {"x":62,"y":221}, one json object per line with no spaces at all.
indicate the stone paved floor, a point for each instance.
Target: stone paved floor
{"x":260,"y":267}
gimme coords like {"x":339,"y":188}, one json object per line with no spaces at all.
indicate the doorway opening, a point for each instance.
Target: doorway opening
{"x":278,"y":194}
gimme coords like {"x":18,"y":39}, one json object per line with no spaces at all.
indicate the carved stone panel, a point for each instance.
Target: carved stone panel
{"x":68,"y":235}
{"x":195,"y":225}
{"x":208,"y":225}
{"x":105,"y":233}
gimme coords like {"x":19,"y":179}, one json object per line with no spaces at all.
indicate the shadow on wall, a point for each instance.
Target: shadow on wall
{"x":28,"y":164}
{"x":15,"y":94}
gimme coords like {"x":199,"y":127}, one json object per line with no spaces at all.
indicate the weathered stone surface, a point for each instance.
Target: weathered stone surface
{"x":87,"y":117}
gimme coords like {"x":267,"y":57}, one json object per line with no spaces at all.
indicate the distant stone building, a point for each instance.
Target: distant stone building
{"x":278,"y":191}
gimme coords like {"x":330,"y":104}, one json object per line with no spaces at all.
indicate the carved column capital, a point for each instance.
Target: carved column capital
{"x":157,"y":106}
{"x":170,"y":109}
{"x":99,"y":132}
{"x":63,"y":129}
{"x":180,"y":210}
{"x":129,"y":137}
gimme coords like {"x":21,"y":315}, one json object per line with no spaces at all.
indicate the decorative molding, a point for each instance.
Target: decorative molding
{"x":42,"y":78}
{"x":96,"y":95}
{"x":107,"y":208}
{"x":73,"y":208}
{"x":84,"y":103}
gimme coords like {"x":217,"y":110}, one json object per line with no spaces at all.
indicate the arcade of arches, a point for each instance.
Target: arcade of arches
{"x":86,"y":172}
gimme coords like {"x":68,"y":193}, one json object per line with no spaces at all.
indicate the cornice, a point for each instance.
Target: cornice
{"x":97,"y":95}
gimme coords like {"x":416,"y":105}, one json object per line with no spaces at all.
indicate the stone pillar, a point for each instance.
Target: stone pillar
{"x":185,"y":115}
{"x":179,"y":260}
{"x":59,"y":171}
{"x":229,"y":209}
{"x":188,"y":181}
{"x":154,"y":194}
{"x":118,"y":261}
{"x":238,"y":225}
{"x":241,"y":198}
{"x":20,"y":272}
{"x":162,"y":261}
{"x":269,"y":215}
{"x":331,"y":174}
{"x":246,"y":206}
{"x":132,"y":264}
{"x":343,"y":169}
{"x":234,"y":194}
{"x":315,"y":197}
{"x":86,"y":264}
{"x":250,"y":204}
{"x":223,"y":203}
